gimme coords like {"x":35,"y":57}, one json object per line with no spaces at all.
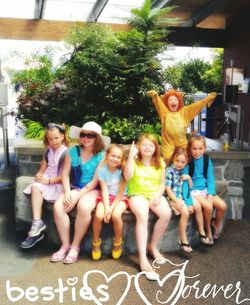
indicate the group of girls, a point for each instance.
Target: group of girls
{"x":138,"y":183}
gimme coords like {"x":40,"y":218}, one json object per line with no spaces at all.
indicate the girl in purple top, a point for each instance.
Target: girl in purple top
{"x":47,"y":184}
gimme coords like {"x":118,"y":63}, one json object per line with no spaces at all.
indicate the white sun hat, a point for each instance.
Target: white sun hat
{"x":74,"y":131}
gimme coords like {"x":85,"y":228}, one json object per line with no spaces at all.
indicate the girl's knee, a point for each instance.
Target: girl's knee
{"x":98,"y":217}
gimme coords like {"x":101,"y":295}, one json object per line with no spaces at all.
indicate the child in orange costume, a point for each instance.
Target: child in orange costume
{"x":175,"y":118}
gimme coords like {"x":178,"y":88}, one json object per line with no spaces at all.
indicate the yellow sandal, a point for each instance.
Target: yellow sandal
{"x":96,"y":255}
{"x":117,"y":253}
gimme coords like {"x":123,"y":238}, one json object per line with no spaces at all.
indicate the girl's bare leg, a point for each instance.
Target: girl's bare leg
{"x":140,"y":207}
{"x":162,"y":210}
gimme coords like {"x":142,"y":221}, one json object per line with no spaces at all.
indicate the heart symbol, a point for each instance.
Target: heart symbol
{"x":177,"y":291}
{"x":107,"y":279}
{"x":72,"y":281}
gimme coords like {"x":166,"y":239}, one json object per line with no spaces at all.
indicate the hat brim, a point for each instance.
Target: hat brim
{"x":74,"y":133}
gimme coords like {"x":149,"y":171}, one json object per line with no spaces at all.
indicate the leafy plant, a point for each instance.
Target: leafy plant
{"x":34,"y":130}
{"x":104,"y":77}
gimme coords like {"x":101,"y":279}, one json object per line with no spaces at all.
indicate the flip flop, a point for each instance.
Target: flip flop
{"x":215,"y":232}
{"x":203,"y":239}
{"x":182,"y":248}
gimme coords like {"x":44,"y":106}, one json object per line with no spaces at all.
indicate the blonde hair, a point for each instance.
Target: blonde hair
{"x":177,"y":152}
{"x":193,"y":138}
{"x":119,"y":146}
{"x":156,"y":158}
{"x":62,"y":130}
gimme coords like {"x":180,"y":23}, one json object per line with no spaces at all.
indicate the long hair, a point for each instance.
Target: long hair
{"x":156,"y":158}
{"x":175,"y":93}
{"x":99,"y":145}
{"x":177,"y":152}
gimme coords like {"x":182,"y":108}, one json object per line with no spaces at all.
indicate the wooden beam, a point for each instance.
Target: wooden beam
{"x":205,"y":11}
{"x":47,"y":30}
{"x":190,"y":37}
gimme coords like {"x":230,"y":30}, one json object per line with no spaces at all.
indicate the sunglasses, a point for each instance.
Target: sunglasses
{"x":53,"y":125}
{"x":87,"y":135}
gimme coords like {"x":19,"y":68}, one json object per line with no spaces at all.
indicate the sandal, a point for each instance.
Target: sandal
{"x":151,"y":275}
{"x":116,"y":253}
{"x":57,"y":256}
{"x":203,"y":239}
{"x":215,"y":232}
{"x":96,"y":254}
{"x":70,"y":259}
{"x":182,"y":247}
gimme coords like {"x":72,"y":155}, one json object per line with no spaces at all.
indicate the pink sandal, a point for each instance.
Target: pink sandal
{"x":57,"y":256}
{"x":70,"y":259}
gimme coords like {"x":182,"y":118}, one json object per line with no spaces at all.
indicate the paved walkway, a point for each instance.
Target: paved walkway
{"x":228,"y":262}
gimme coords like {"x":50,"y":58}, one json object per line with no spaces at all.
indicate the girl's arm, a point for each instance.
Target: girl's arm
{"x":210,"y":179}
{"x":66,"y":174}
{"x":186,"y":188}
{"x":188,"y":179}
{"x":120,"y":193}
{"x":105,"y":195}
{"x":39,"y":177}
{"x":128,"y":171}
{"x":190,"y":111}
{"x":159,"y":105}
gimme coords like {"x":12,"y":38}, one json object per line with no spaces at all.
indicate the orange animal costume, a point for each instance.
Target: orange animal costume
{"x":174,"y":124}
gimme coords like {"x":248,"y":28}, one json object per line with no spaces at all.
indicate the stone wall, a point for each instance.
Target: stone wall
{"x":228,"y":169}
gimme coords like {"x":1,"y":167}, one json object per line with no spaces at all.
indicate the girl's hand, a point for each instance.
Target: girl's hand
{"x":67,"y":198}
{"x":69,"y":207}
{"x":133,"y":150}
{"x":107,"y":215}
{"x":179,"y":204}
{"x":155,"y":200}
{"x":152,"y":93}
{"x":185,"y":177}
{"x":210,"y":199}
{"x":191,"y":210}
{"x":40,"y":178}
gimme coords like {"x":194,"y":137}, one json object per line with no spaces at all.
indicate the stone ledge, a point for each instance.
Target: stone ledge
{"x":23,"y":215}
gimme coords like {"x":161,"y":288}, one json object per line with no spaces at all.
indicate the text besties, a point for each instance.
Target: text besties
{"x":100,"y":294}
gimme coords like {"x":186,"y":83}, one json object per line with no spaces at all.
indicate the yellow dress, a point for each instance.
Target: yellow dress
{"x":174,"y":124}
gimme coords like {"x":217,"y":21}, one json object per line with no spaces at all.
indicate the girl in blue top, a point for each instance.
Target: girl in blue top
{"x":178,"y":185}
{"x":112,"y":202}
{"x":204,"y":188}
{"x":83,"y":160}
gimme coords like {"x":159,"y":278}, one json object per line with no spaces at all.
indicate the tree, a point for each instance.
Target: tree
{"x":106,"y":75}
{"x":196,"y":74}
{"x":212,"y":78}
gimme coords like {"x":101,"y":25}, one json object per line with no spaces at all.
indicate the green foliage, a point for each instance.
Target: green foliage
{"x":104,"y":78}
{"x":212,"y":78}
{"x":38,"y":74}
{"x":126,"y":130}
{"x":196,"y":74}
{"x":34,"y":130}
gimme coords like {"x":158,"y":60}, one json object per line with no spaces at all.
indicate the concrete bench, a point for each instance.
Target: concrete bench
{"x":23,"y":216}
